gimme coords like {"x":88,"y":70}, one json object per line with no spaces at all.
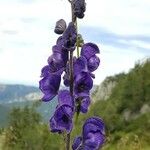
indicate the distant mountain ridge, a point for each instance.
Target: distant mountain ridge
{"x":15,"y":93}
{"x":19,"y":96}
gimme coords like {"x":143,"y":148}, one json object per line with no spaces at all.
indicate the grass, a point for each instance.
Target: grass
{"x":1,"y":140}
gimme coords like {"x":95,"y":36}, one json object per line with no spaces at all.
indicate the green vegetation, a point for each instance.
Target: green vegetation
{"x":126,"y":114}
{"x":27,"y":132}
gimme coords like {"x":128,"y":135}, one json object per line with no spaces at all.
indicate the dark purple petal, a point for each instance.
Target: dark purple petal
{"x":56,"y":63}
{"x":49,"y":86}
{"x":64,"y":97}
{"x":62,"y":119}
{"x":77,"y":142}
{"x":97,"y":122}
{"x":80,"y":65}
{"x":94,"y":141}
{"x":93,"y":63}
{"x":69,"y":37}
{"x":85,"y":103}
{"x":62,"y":52}
{"x":45,"y":71}
{"x":79,"y":8}
{"x":82,"y":104}
{"x":89,"y":49}
{"x":60,"y":26}
{"x":83,"y":83}
{"x":93,"y":133}
{"x":60,"y":42}
{"x":54,"y":127}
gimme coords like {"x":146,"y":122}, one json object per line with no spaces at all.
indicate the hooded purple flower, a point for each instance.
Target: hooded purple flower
{"x":64,"y":97}
{"x":49,"y":85}
{"x":93,"y":135}
{"x":69,"y":37}
{"x":89,"y":51}
{"x":79,"y":8}
{"x":80,"y":65}
{"x":83,"y":83}
{"x":62,"y":119}
{"x":58,"y":59}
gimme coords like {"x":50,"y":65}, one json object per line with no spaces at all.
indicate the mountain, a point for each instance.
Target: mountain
{"x":104,"y":90}
{"x":19,"y":96}
{"x":18,"y":93}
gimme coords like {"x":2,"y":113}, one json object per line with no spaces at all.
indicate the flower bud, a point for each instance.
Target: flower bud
{"x":60,"y":26}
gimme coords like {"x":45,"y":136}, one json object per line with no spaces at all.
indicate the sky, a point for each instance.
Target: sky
{"x":121,"y":29}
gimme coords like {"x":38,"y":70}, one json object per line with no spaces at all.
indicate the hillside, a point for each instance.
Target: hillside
{"x":125,"y":109}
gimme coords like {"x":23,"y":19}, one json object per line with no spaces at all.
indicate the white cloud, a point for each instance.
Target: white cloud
{"x":26,"y":34}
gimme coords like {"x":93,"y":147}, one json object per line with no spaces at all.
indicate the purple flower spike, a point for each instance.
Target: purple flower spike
{"x":89,"y":49}
{"x":62,"y":119}
{"x":93,"y":63}
{"x":77,"y":143}
{"x":64,"y":97}
{"x":83,"y":83}
{"x":93,"y":133}
{"x":79,"y":8}
{"x":69,"y":37}
{"x":49,"y":86}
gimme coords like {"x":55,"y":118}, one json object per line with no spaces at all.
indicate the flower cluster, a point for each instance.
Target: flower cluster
{"x":51,"y":73}
{"x":77,"y":74}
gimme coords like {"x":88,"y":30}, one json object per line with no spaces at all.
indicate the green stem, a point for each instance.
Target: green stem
{"x":71,"y":77}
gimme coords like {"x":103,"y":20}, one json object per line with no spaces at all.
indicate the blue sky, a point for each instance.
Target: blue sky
{"x":120,"y":28}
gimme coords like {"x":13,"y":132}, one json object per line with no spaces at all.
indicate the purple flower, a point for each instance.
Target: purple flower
{"x":93,"y":63}
{"x":49,"y":85}
{"x":69,"y":37}
{"x":62,"y":119}
{"x":83,"y":83}
{"x":93,"y":135}
{"x":80,"y":65}
{"x":60,"y":26}
{"x":83,"y":104}
{"x":64,"y":97}
{"x":89,"y":51}
{"x":79,"y":8}
{"x":58,"y":59}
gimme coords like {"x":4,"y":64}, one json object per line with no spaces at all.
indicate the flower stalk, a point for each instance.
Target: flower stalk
{"x":71,"y":75}
{"x":78,"y":77}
